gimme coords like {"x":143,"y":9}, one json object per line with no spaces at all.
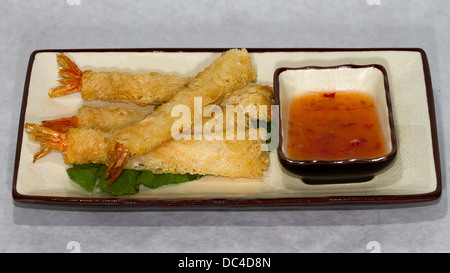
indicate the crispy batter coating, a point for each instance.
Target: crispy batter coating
{"x":229,"y":158}
{"x":252,"y":95}
{"x":108,"y":119}
{"x":86,"y":146}
{"x":232,"y":70}
{"x":148,"y":135}
{"x":142,"y":89}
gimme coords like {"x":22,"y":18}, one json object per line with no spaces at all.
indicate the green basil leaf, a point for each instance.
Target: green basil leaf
{"x":88,"y":176}
{"x":125,"y":184}
{"x":151,"y":180}
{"x":85,"y":175}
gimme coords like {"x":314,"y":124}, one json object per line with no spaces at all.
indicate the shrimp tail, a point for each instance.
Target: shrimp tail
{"x":49,"y":139}
{"x":61,"y":125}
{"x":72,"y":77}
{"x":41,"y":153}
{"x":120,"y":157}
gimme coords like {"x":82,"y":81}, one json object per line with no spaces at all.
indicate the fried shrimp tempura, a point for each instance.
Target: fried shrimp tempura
{"x":106,"y":119}
{"x":109,"y":119}
{"x":229,"y":158}
{"x":88,"y":142}
{"x":252,"y":95}
{"x":143,"y":140}
{"x":232,"y":70}
{"x":142,"y":89}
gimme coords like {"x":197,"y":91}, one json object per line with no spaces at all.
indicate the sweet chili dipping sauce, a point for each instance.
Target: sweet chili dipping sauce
{"x":334,"y":126}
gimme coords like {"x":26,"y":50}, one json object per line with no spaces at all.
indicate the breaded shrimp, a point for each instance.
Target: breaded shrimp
{"x":109,"y":119}
{"x":142,"y":89}
{"x":106,"y":119}
{"x":229,"y":158}
{"x":232,"y":70}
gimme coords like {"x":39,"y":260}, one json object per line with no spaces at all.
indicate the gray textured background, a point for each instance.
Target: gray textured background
{"x":50,"y":24}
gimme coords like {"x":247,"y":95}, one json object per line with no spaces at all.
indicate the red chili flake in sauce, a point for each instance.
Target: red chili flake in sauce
{"x":331,"y":95}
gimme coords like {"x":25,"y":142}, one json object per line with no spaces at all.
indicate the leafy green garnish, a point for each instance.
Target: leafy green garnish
{"x":125,"y":184}
{"x":89,"y":176}
{"x":151,"y":180}
{"x":86,"y":175}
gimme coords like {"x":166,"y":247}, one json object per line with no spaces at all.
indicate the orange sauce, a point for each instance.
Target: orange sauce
{"x":334,"y":126}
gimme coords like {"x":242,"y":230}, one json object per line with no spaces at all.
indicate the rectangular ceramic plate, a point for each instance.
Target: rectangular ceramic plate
{"x":414,"y":176}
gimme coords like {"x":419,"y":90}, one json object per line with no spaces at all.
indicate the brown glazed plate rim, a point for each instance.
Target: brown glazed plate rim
{"x":393,"y":139}
{"x":304,"y":201}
